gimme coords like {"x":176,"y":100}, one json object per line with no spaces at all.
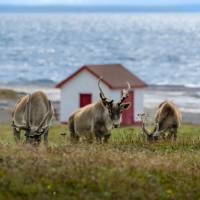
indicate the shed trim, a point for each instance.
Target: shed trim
{"x":87,"y":68}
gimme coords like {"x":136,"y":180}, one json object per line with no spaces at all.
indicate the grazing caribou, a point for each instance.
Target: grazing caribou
{"x":32,"y":113}
{"x":98,"y":119}
{"x":167,"y":119}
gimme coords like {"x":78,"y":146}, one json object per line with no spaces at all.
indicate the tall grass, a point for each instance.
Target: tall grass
{"x":128,"y":167}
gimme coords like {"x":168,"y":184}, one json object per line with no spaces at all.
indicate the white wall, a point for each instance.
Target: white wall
{"x":138,"y":103}
{"x":84,"y":82}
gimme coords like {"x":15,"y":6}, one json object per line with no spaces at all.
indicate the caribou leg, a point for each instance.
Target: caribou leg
{"x":99,"y":136}
{"x":99,"y":139}
{"x":106,"y":138}
{"x":89,"y":138}
{"x":46,"y":133}
{"x":28,"y":139}
{"x":175,"y":134}
{"x":74,"y":138}
{"x":16,"y":135}
{"x":98,"y":132}
{"x":38,"y":141}
{"x":172,"y":134}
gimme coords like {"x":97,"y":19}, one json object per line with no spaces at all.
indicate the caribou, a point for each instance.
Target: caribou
{"x":167,"y":119}
{"x":96,"y":120}
{"x":32,"y":114}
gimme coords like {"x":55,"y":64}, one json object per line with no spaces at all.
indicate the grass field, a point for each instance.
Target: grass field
{"x":127,"y":167}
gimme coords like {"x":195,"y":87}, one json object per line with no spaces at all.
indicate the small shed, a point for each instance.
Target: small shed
{"x":81,"y":88}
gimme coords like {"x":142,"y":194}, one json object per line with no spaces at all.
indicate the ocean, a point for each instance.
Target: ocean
{"x":44,"y":48}
{"x":159,"y":48}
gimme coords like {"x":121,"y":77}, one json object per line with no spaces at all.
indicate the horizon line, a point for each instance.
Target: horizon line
{"x":6,"y":8}
{"x":97,"y":5}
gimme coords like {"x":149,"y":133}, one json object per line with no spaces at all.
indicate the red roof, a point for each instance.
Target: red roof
{"x":115,"y":76}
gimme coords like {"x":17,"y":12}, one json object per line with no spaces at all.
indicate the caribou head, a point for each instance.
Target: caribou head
{"x":151,"y":135}
{"x":115,"y":109}
{"x":33,"y":134}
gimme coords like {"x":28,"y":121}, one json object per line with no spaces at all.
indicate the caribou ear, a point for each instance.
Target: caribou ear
{"x":125,"y":106}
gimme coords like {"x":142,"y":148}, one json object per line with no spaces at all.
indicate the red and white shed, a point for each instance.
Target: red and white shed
{"x":81,"y":88}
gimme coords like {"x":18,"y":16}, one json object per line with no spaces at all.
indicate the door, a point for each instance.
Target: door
{"x":85,"y":99}
{"x":128,"y":115}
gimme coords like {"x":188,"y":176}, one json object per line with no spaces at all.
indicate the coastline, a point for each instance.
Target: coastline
{"x":186,"y":98}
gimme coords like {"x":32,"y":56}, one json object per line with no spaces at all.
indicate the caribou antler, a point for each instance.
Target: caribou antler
{"x":28,"y":108}
{"x":143,"y":119}
{"x":45,"y":117}
{"x":157,"y":132}
{"x":15,"y":125}
{"x":102,"y":95}
{"x":26,"y":126}
{"x":43,"y":121}
{"x":125,"y":93}
{"x":101,"y":91}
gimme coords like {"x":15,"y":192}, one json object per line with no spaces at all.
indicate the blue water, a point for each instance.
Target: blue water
{"x":45,"y":48}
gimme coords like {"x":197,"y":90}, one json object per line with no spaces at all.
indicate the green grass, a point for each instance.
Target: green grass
{"x":128,"y":167}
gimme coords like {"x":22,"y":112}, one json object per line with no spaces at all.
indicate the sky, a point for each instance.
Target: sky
{"x":101,"y":2}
